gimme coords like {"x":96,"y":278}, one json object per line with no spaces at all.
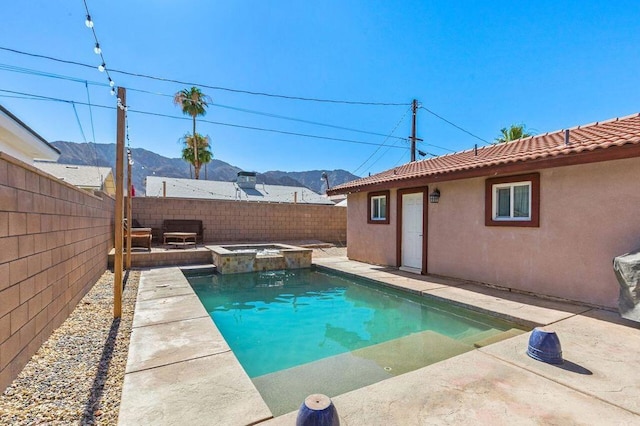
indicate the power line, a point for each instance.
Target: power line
{"x":299,"y":120}
{"x":383,"y":143}
{"x":10,"y":68}
{"x":283,"y":132}
{"x":221,"y":88}
{"x":248,"y":111}
{"x":93,"y":131}
{"x":218,"y":123}
{"x":30,"y":71}
{"x":75,"y":111}
{"x":454,"y":125}
{"x":436,"y":146}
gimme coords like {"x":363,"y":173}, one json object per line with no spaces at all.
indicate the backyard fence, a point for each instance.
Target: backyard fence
{"x":54,"y":242}
{"x":229,"y":221}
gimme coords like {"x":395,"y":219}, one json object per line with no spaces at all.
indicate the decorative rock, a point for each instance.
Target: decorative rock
{"x":544,"y":346}
{"x":627,"y":269}
{"x":317,"y":410}
{"x":76,"y":376}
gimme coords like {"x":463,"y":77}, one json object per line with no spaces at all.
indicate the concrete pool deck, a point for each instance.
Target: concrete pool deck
{"x":180,"y":369}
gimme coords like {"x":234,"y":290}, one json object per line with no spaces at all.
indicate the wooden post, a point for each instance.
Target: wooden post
{"x":129,"y":219}
{"x":119,"y":216}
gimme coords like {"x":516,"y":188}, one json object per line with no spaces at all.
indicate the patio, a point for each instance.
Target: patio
{"x":497,"y":384}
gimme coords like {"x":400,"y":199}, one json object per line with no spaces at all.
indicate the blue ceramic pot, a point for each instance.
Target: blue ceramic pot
{"x":544,"y":346}
{"x":317,"y":410}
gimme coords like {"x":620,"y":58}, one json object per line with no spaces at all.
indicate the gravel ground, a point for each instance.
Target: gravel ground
{"x":76,"y":376}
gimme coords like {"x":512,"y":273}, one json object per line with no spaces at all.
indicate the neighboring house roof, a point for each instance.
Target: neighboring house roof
{"x":217,"y":190}
{"x":20,"y":141}
{"x":601,"y":141}
{"x":87,"y":177}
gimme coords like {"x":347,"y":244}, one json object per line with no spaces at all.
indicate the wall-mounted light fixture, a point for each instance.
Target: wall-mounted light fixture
{"x":434,"y":197}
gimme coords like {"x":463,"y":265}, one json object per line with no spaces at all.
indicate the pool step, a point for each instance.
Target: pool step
{"x":473,"y":337}
{"x":284,"y":391}
{"x":417,"y":350}
{"x":498,"y":337}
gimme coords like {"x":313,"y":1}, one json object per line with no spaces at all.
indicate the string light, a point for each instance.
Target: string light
{"x":97,"y":49}
{"x":121,"y":106}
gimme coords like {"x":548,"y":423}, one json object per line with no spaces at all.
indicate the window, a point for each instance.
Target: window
{"x":513,"y":201}
{"x":378,"y":208}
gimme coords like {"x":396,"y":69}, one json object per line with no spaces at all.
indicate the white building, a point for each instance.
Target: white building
{"x":20,"y":141}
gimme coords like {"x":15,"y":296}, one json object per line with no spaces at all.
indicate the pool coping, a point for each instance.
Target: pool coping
{"x":161,"y":371}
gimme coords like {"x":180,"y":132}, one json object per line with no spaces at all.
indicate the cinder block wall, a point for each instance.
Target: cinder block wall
{"x":230,"y":221}
{"x":54,"y":243}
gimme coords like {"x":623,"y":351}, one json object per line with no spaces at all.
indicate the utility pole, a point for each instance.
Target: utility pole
{"x":119,"y":208}
{"x":414,"y":109}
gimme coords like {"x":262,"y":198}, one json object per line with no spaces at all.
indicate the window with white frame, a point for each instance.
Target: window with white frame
{"x":513,"y":200}
{"x":378,"y":209}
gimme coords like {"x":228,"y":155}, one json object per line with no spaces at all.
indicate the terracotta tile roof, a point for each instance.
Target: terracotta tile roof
{"x":589,"y":138}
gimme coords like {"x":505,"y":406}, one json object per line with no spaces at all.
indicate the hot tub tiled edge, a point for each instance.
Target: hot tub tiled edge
{"x":228,"y":261}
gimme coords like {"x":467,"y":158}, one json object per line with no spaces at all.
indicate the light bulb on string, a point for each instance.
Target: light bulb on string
{"x":102,"y":67}
{"x":88,"y":22}
{"x":113,"y":91}
{"x":111,"y":83}
{"x":97,"y":49}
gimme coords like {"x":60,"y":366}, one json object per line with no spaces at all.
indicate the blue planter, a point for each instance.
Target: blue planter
{"x":544,"y":346}
{"x":317,"y":410}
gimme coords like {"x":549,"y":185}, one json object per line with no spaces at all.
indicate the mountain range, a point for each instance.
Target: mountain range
{"x":148,"y":163}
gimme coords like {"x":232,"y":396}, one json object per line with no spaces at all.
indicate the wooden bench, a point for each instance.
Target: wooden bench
{"x":184,"y":225}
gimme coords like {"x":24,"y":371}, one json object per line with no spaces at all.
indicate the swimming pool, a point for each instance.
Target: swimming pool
{"x":304,"y":331}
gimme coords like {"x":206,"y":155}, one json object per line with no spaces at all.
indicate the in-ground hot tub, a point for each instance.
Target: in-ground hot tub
{"x":239,"y":258}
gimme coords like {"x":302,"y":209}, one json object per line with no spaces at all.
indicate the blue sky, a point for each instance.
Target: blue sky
{"x":480,"y":65}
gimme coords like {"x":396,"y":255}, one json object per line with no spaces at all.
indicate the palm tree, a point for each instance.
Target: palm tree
{"x":515,"y":131}
{"x":198,"y":146}
{"x":194,"y":103}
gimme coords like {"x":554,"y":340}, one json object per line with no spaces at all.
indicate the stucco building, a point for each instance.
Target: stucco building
{"x":88,"y":178}
{"x":21,"y":142}
{"x":544,"y":214}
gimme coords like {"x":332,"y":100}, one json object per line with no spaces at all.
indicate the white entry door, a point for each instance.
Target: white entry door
{"x":412,"y":206}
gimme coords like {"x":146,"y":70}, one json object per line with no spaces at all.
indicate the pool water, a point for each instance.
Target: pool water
{"x":312,"y":331}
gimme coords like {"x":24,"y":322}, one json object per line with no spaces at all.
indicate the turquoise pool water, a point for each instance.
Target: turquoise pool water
{"x":278,"y":320}
{"x":305,"y":331}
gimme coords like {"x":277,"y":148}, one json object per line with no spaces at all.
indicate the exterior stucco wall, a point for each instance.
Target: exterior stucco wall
{"x":371,"y":243}
{"x":588,"y":215}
